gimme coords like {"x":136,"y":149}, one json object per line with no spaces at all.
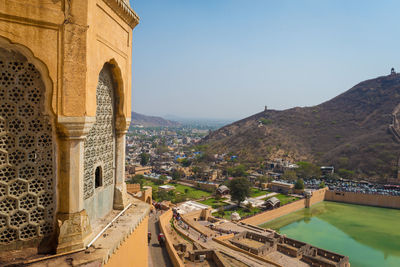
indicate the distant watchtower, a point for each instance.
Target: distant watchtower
{"x":392,"y":72}
{"x":265,"y":108}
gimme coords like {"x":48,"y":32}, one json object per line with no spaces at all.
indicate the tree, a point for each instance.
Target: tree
{"x":161,"y":180}
{"x":299,"y":184}
{"x":308,"y":170}
{"x":144,"y":159}
{"x":322,"y":184}
{"x":137,"y":179}
{"x":346,"y":173}
{"x":198,"y":170}
{"x":162,"y":195}
{"x":186,"y":162}
{"x":237,"y":171}
{"x":332,"y":176}
{"x":262,"y":180}
{"x":240,"y":189}
{"x":177,"y":174}
{"x":289,"y":175}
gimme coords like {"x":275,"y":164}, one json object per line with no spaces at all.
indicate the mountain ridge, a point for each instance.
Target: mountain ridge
{"x":152,"y":121}
{"x":351,"y":131}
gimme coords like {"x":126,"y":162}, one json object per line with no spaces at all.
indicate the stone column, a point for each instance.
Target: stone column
{"x":120,"y":194}
{"x":72,"y":221}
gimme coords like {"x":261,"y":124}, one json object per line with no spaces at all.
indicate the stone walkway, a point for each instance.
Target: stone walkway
{"x":158,"y":256}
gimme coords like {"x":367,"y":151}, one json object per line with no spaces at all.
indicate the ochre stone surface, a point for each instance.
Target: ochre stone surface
{"x":134,"y":243}
{"x":69,"y":42}
{"x":73,"y":229}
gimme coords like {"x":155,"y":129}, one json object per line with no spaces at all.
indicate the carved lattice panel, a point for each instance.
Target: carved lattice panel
{"x":26,"y":153}
{"x":100,"y":141}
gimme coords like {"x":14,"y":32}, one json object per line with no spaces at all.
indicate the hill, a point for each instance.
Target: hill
{"x":152,"y":121}
{"x":357,"y":130}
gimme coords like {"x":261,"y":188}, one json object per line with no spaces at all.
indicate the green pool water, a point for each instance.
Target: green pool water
{"x":369,"y":236}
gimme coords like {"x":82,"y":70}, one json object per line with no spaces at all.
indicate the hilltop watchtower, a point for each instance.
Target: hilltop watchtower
{"x":392,"y":72}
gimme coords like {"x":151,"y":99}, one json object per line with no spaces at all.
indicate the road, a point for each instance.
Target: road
{"x":158,"y":256}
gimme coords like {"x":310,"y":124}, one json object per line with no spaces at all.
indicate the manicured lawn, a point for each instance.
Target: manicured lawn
{"x":255,"y":192}
{"x":150,"y":183}
{"x":214,"y":203}
{"x":192,"y":193}
{"x":285,"y":199}
{"x":243,"y":212}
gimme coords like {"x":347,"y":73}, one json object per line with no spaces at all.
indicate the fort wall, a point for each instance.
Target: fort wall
{"x":384,"y":201}
{"x":317,"y":196}
{"x":269,"y":215}
{"x":173,"y":255}
{"x":273,"y":214}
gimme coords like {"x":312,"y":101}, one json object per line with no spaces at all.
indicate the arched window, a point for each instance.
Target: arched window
{"x":98,"y":177}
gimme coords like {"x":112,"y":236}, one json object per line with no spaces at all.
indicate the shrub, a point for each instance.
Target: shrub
{"x":265,"y":121}
{"x":299,"y":184}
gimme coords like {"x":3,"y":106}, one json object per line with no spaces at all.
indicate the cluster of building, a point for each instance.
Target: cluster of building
{"x":226,"y":243}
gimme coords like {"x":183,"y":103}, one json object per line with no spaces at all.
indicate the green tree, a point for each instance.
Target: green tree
{"x":240,"y":189}
{"x":237,"y":171}
{"x":262,"y":180}
{"x":137,"y":179}
{"x":177,"y":174}
{"x":299,"y":184}
{"x":346,"y":173}
{"x":289,"y":175}
{"x":322,"y":184}
{"x":161,"y":180}
{"x":308,"y":170}
{"x":186,"y":162}
{"x":333,"y":176}
{"x":144,"y":159}
{"x":162,"y":195}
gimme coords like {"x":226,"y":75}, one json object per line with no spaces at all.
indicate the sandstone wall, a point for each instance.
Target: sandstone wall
{"x":173,"y":255}
{"x":364,"y":199}
{"x":134,"y":243}
{"x":273,"y":214}
{"x":266,"y":216}
{"x":317,"y":196}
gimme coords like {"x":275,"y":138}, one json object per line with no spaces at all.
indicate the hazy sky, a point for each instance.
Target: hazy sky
{"x":230,"y":58}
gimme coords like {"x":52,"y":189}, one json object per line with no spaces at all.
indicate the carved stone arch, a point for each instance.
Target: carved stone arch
{"x":119,"y":93}
{"x":100,"y":148}
{"x":27,"y":140}
{"x":40,"y":66}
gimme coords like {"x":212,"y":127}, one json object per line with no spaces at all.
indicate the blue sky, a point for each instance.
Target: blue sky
{"x":230,"y":58}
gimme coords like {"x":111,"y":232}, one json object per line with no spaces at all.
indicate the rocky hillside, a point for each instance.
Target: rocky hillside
{"x":356,"y":130}
{"x":152,"y":121}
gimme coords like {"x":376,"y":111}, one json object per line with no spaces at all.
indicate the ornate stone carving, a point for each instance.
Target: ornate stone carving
{"x":122,"y":8}
{"x":99,"y":145}
{"x":27,"y":174}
